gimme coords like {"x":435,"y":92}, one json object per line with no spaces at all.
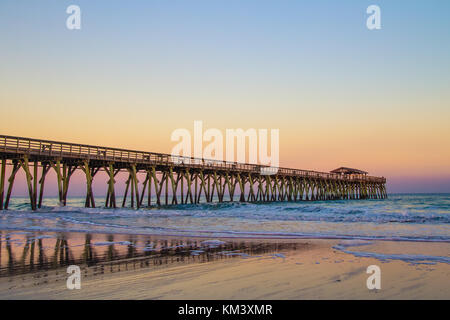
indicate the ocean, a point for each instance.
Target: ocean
{"x":401,"y":217}
{"x":329,"y":243}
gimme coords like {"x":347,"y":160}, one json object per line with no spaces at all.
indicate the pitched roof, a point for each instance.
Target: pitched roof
{"x":348,"y":170}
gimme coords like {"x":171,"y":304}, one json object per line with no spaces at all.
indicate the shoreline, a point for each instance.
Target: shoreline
{"x":239,"y":236}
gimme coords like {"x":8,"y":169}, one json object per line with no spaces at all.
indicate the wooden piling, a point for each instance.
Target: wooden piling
{"x":45,"y":169}
{"x":2,"y":182}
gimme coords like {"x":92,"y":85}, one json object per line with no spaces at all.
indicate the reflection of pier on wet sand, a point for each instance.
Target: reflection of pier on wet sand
{"x":42,"y":255}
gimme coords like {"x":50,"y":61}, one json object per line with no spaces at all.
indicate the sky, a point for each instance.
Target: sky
{"x":340,"y":94}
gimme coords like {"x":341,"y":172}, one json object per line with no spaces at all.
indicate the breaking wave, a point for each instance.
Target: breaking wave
{"x":401,"y":217}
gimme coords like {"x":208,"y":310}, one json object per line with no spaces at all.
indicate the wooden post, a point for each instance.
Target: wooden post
{"x":251,"y":193}
{"x":217,"y":185}
{"x":155,"y":180}
{"x":35,"y":183}
{"x":282,"y":188}
{"x":64,"y":182}
{"x":174,"y":186}
{"x":161,"y":184}
{"x":132,"y":188}
{"x":308,"y":190}
{"x":25,"y":166}
{"x":181,"y":173}
{"x":208,"y":194}
{"x":135,"y":185}
{"x":144,"y":187}
{"x":269,"y":188}
{"x":202,"y":186}
{"x":111,"y":197}
{"x":290,"y":194}
{"x":59,"y":179}
{"x":266,"y":187}
{"x":189,"y":182}
{"x":222,"y":191}
{"x":166,"y":193}
{"x":241,"y":186}
{"x":2,"y":182}
{"x":108,"y":192}
{"x":221,"y":186}
{"x":93,"y":173}
{"x":213,"y":187}
{"x":127,"y":186}
{"x":195,"y":188}
{"x":67,"y":173}
{"x":228,"y":183}
{"x":89,"y":177}
{"x":45,"y":169}
{"x":231,"y":186}
{"x":262,"y":196}
{"x":276,"y":188}
{"x":302,"y":189}
{"x":149,"y":200}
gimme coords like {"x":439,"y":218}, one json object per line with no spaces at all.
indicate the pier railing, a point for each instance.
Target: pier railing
{"x":47,"y":148}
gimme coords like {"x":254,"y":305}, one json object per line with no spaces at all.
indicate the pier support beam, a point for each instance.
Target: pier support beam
{"x":111,"y":194}
{"x":155,"y":181}
{"x":25,"y":165}
{"x":144,"y":187}
{"x":174,"y":185}
{"x":45,"y":168}
{"x":127,"y":185}
{"x":63,"y":174}
{"x":160,"y":187}
{"x":166,"y":193}
{"x":189,"y":185}
{"x":57,"y":168}
{"x":2,"y":182}
{"x":16,"y":167}
{"x":203,"y":186}
{"x":149,"y":198}
{"x":68,"y":170}
{"x":90,"y":202}
{"x":132,"y":184}
{"x":241,"y":187}
{"x":135,"y":185}
{"x":217,"y":183}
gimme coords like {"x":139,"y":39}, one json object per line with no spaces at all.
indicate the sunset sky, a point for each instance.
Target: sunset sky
{"x":340,"y":94}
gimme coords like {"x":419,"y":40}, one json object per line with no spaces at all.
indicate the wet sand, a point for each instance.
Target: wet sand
{"x":120,"y":267}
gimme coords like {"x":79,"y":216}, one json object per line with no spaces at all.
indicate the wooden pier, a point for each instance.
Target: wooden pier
{"x":171,"y":179}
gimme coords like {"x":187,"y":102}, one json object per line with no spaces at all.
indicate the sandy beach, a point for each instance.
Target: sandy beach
{"x":226,"y":269}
